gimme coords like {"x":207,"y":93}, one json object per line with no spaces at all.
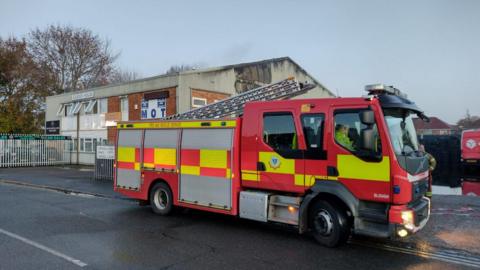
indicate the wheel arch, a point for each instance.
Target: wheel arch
{"x":332,"y":191}
{"x":154,"y":182}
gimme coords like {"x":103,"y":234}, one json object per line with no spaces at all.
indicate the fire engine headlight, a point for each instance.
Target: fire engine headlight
{"x":407,"y":218}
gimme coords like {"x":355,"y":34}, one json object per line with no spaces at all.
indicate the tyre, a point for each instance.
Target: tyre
{"x":161,"y":199}
{"x":329,"y":224}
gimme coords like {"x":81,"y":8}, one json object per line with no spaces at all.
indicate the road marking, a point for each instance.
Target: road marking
{"x":441,"y":255}
{"x":44,"y":248}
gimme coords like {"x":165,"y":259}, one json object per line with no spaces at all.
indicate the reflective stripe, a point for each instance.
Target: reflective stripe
{"x":192,"y":170}
{"x":165,"y":156}
{"x":175,"y":124}
{"x":126,"y":154}
{"x":274,"y":163}
{"x":351,"y":167}
{"x":213,"y":158}
{"x":299,"y":180}
{"x":249,"y":175}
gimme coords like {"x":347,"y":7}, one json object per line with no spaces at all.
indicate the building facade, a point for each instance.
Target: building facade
{"x":436,"y":126}
{"x":90,"y":115}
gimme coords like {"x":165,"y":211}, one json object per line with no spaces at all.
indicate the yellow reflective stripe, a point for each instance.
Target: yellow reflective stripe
{"x":213,"y":158}
{"x":299,"y":180}
{"x":126,"y":154}
{"x":137,"y":166}
{"x":192,"y":170}
{"x":310,"y":179}
{"x":249,"y":177}
{"x":176,"y":124}
{"x":148,"y":165}
{"x":274,"y":163}
{"x":228,"y":174}
{"x":165,"y":156}
{"x":351,"y":167}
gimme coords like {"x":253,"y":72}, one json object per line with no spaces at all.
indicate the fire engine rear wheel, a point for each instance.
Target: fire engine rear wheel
{"x":329,"y":224}
{"x":161,"y":199}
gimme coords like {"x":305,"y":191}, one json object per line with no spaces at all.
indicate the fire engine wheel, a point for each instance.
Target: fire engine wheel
{"x":329,"y":224}
{"x":161,"y":199}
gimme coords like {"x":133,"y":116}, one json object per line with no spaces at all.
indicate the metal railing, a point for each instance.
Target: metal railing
{"x":27,"y":150}
{"x":104,"y":160}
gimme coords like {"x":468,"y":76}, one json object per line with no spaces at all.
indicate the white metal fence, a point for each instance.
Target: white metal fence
{"x":23,"y":150}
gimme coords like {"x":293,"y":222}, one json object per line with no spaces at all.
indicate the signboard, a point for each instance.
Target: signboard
{"x":154,"y":108}
{"x":84,"y":95}
{"x":33,"y":137}
{"x":105,"y":152}
{"x":52,"y":127}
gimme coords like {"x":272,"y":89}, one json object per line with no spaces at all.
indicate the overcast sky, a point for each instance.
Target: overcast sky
{"x":428,"y":49}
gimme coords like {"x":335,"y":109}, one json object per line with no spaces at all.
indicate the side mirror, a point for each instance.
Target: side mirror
{"x":368,"y":139}
{"x":367,"y":117}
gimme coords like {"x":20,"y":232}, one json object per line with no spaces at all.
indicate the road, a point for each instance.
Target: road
{"x":43,"y":229}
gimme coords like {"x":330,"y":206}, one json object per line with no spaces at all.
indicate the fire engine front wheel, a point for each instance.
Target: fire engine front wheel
{"x":161,"y":199}
{"x":329,"y":224}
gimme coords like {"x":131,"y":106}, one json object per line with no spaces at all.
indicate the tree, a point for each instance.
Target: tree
{"x":123,"y":75}
{"x":75,"y":57}
{"x":23,"y":87}
{"x":469,"y":121}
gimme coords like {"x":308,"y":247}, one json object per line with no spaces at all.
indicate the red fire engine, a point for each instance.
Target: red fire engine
{"x":330,"y":167}
{"x":470,"y":148}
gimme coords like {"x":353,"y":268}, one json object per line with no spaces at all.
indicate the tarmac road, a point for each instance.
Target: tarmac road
{"x":44,"y":229}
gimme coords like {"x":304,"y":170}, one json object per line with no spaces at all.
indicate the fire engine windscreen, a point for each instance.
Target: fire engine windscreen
{"x":402,"y":131}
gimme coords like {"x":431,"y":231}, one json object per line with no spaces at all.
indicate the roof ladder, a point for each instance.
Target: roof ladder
{"x":233,"y":106}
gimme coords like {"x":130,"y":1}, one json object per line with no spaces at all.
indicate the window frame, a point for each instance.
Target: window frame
{"x":358,"y":153}
{"x":318,"y":153}
{"x":199,"y":98}
{"x":285,"y":153}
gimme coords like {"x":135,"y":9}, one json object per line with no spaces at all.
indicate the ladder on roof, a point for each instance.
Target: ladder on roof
{"x":233,"y":106}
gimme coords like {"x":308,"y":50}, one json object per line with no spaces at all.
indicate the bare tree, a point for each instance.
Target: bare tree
{"x":123,"y":75}
{"x":75,"y":57}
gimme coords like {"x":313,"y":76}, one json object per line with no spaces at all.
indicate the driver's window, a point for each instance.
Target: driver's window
{"x":279,"y":131}
{"x":348,"y":130}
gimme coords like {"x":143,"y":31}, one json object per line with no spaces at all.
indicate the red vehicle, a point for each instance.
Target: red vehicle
{"x":331,"y":167}
{"x":471,"y":148}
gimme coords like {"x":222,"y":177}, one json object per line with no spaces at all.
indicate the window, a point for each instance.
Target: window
{"x":82,"y":146}
{"x":68,"y":109}
{"x":313,"y":130}
{"x":88,"y":145}
{"x":198,"y":102}
{"x":348,"y":130}
{"x":279,"y":131}
{"x":124,"y":104}
{"x":91,"y":107}
{"x":103,"y":105}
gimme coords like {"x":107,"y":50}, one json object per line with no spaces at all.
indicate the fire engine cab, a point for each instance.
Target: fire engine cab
{"x":330,"y":167}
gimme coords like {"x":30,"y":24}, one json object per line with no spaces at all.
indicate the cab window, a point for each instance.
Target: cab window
{"x":348,"y":130}
{"x":279,"y":131}
{"x":312,"y":125}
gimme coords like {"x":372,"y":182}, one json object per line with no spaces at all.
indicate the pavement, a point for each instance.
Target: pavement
{"x":61,"y":218}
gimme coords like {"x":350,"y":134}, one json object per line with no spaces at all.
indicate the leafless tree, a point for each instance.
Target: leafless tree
{"x":76,"y":57}
{"x":123,"y":75}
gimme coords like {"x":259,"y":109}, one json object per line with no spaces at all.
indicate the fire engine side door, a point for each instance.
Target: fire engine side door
{"x":280,"y":157}
{"x":313,"y":127}
{"x":365,"y":174}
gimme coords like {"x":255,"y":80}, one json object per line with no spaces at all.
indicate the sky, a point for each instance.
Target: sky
{"x":428,"y":49}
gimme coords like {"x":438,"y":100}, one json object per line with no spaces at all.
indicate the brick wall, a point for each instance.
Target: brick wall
{"x":210,"y":96}
{"x":113,"y":104}
{"x":135,"y":106}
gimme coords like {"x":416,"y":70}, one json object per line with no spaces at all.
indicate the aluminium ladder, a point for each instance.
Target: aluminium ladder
{"x":233,"y":106}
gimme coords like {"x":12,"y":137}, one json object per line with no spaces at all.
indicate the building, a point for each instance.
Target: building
{"x":92,"y":114}
{"x":436,"y":126}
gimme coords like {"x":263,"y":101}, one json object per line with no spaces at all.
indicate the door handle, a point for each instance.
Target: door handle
{"x":261,"y":166}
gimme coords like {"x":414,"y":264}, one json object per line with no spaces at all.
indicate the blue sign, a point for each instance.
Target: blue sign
{"x":154,"y":108}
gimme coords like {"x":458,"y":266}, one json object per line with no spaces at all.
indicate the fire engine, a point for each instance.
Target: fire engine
{"x":470,"y":149}
{"x":331,"y":167}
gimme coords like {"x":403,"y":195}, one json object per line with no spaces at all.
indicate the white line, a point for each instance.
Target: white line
{"x":44,"y":248}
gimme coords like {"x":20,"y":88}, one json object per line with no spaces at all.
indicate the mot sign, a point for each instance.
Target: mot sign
{"x":154,"y":108}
